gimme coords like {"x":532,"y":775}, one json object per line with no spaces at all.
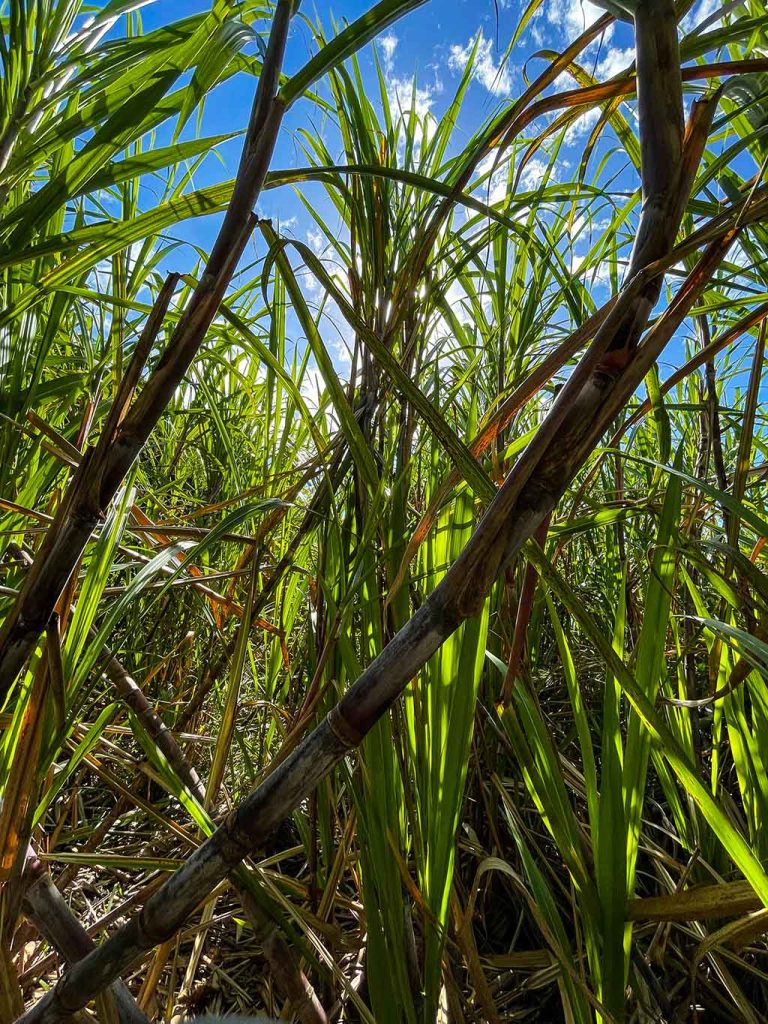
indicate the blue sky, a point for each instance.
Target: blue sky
{"x":431,"y":44}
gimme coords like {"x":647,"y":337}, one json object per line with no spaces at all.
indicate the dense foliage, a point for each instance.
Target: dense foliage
{"x":566,"y":816}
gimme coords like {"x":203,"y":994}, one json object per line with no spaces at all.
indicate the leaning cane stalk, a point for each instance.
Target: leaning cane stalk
{"x":50,"y":913}
{"x":128,"y":427}
{"x":104,"y":467}
{"x":291,"y":980}
{"x":602,"y":383}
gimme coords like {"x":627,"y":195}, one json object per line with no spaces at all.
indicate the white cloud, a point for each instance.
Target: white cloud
{"x":405,"y":96}
{"x":321,"y":247}
{"x":572,"y":17}
{"x":533,"y":174}
{"x":615,"y":60}
{"x":494,"y":189}
{"x":388,"y":44}
{"x":312,"y":387}
{"x":583,"y":124}
{"x":597,"y":275}
{"x":492,"y":76}
{"x":341,"y":353}
{"x":317,"y":241}
{"x":701,"y":12}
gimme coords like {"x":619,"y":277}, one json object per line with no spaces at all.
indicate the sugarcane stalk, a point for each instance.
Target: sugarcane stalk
{"x":291,"y":980}
{"x":128,"y":426}
{"x":599,"y":387}
{"x":50,"y":913}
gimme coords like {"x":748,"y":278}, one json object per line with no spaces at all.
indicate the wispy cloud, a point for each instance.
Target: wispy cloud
{"x":534,"y":172}
{"x":405,"y":96}
{"x":572,"y":17}
{"x":615,"y":60}
{"x":388,"y":45}
{"x":581,"y":126}
{"x":699,"y":13}
{"x":492,"y":75}
{"x":494,"y":189}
